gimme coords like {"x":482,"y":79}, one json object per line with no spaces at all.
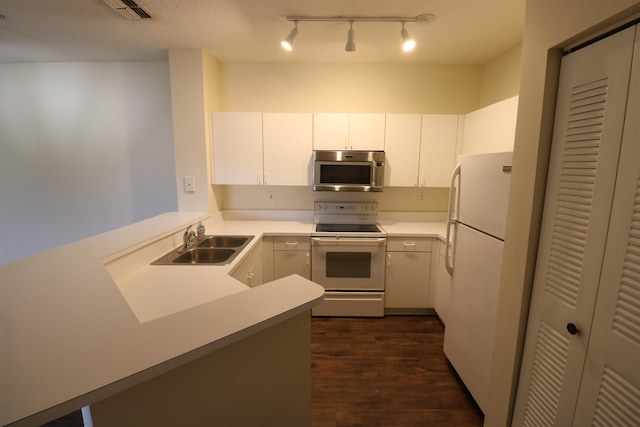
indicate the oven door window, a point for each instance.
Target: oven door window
{"x":346,"y":173}
{"x":348,"y":265}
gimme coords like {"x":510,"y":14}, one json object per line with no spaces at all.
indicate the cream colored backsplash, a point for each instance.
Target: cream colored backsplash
{"x":392,"y":199}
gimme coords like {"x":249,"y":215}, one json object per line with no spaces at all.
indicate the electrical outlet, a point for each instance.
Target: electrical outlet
{"x":422,"y":196}
{"x":271,"y":196}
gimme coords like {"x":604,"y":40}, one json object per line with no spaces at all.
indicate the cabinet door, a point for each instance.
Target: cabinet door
{"x":286,"y":263}
{"x":443,"y":286}
{"x":438,"y":146}
{"x":330,"y":131}
{"x":287,"y":142}
{"x":402,"y":149}
{"x":338,"y":131}
{"x":255,"y":276}
{"x":366,"y":131}
{"x":250,"y":270}
{"x":590,"y":113}
{"x":237,"y":148}
{"x":407,"y":284}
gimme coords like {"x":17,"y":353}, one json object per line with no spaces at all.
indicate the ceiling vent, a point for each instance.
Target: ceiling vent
{"x":128,"y":9}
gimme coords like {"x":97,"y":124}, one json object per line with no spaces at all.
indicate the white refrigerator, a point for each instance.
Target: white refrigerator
{"x":475,"y":235}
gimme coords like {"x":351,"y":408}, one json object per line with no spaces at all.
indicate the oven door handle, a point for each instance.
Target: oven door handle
{"x":318,"y":241}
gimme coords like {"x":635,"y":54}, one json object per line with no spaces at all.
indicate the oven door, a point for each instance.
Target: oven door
{"x":348,"y":264}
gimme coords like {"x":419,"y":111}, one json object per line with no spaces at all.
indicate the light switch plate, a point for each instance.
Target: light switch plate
{"x":190,"y":184}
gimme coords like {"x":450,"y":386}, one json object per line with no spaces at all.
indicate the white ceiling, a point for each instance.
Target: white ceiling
{"x":464,"y":31}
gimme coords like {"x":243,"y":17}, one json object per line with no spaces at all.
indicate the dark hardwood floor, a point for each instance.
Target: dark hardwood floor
{"x":388,"y":371}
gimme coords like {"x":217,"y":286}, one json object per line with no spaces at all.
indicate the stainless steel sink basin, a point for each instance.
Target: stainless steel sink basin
{"x":210,"y":250}
{"x":204,"y":256}
{"x":223,"y":241}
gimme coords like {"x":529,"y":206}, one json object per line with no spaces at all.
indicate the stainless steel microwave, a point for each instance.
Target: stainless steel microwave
{"x":348,"y":170}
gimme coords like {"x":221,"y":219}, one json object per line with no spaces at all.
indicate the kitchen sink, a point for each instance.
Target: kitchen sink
{"x":204,"y":256}
{"x":209,"y":250}
{"x":223,"y":241}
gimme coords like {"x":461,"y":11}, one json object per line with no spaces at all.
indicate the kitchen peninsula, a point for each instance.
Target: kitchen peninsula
{"x":92,"y":323}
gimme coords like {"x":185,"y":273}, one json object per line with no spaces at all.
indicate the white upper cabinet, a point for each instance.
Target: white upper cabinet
{"x":402,"y":146}
{"x":342,"y":131}
{"x":287,"y":139}
{"x":421,"y":149}
{"x":237,"y":148}
{"x":438,"y":149}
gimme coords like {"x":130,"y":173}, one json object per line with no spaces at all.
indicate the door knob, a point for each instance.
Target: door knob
{"x":573,"y":329}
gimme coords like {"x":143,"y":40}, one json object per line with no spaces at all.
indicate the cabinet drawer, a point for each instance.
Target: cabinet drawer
{"x":401,"y":244}
{"x":291,"y":243}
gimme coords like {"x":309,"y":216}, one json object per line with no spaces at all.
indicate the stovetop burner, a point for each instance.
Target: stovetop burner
{"x":347,"y":228}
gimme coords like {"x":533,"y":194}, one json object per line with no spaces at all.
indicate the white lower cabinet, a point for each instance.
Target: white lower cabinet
{"x":251,"y":270}
{"x":443,"y":285}
{"x":408,"y":273}
{"x":291,"y":255}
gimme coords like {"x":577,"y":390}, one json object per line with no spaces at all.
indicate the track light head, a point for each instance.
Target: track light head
{"x":407,"y":42}
{"x":351,"y":44}
{"x":287,"y":43}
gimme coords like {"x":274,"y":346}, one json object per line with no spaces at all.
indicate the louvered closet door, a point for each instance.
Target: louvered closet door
{"x":582,"y":171}
{"x":610,"y":390}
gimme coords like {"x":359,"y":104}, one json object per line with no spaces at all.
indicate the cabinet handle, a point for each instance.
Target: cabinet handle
{"x":259,"y":179}
{"x":264,"y":179}
{"x":291,"y":246}
{"x":389,"y":260}
{"x":250,"y":277}
{"x":416,"y":182}
{"x":409,"y":245}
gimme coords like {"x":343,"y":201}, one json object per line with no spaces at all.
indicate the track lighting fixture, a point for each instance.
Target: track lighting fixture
{"x":287,"y":43}
{"x":351,"y":44}
{"x":408,"y":43}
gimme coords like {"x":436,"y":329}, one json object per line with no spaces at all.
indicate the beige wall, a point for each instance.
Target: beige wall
{"x":392,"y":199}
{"x":549,"y":25}
{"x":500,"y":78}
{"x":189,"y":127}
{"x":211,"y":103}
{"x":368,"y":88}
{"x":362,"y":88}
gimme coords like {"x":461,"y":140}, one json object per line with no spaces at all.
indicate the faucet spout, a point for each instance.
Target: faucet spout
{"x":187,"y":237}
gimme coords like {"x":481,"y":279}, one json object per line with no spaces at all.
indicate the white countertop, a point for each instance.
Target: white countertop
{"x":415,"y":229}
{"x":68,"y":336}
{"x":73,"y":331}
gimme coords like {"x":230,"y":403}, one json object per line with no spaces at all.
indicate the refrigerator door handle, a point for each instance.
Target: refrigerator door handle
{"x":452,"y":194}
{"x":451,"y":219}
{"x":448,"y":261}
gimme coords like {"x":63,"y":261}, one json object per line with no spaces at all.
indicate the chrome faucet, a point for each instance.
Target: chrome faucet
{"x":188,"y":236}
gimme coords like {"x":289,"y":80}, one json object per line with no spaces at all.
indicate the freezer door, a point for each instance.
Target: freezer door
{"x":484,"y":191}
{"x":468,"y":335}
